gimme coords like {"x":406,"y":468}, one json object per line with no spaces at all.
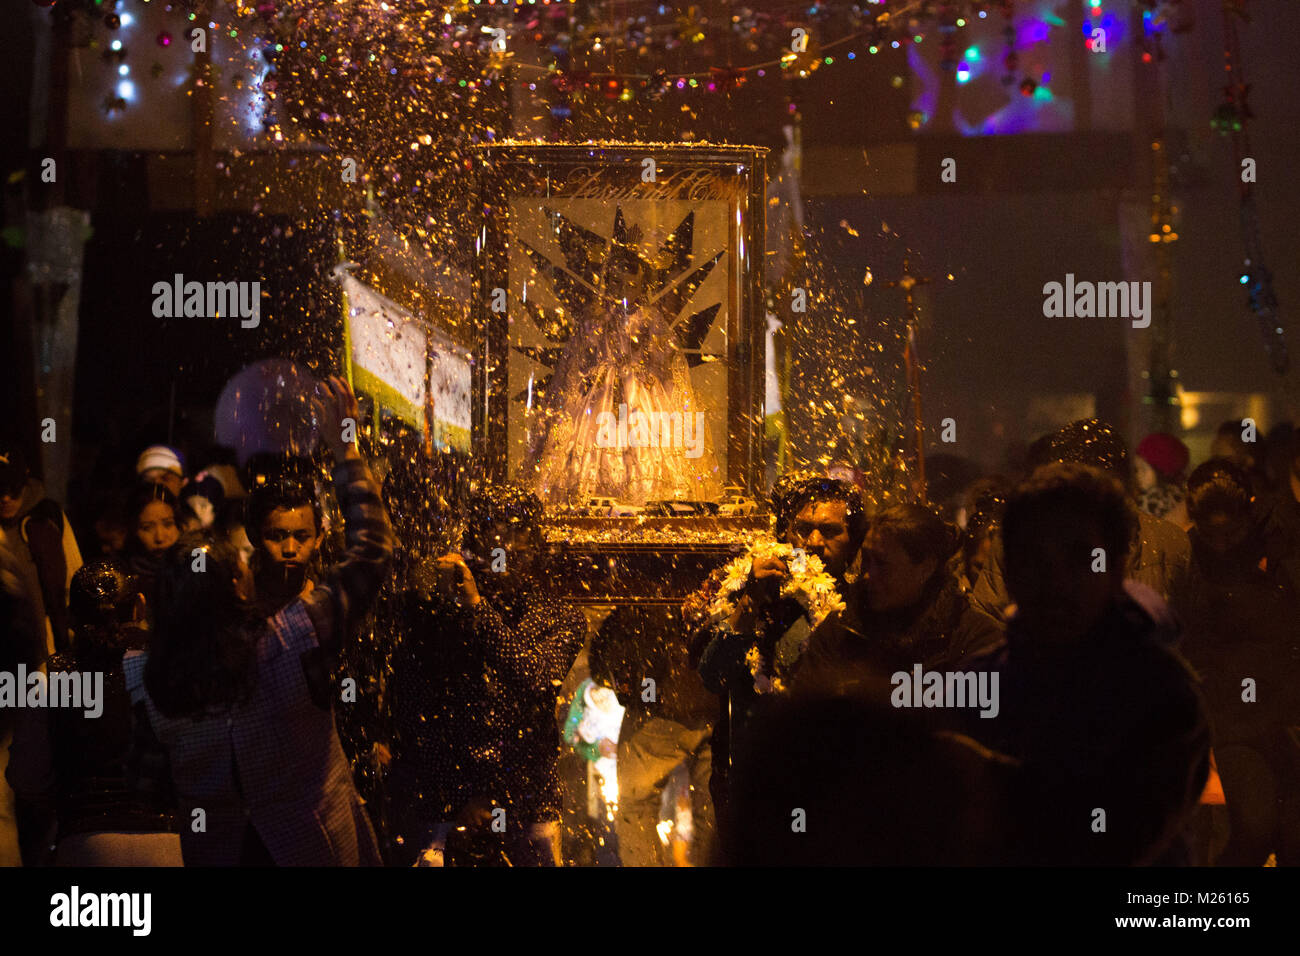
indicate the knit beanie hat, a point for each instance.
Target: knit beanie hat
{"x":160,"y":456}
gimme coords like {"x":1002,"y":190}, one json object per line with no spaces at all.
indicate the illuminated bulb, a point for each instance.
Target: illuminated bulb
{"x":123,"y":70}
{"x":126,"y":90}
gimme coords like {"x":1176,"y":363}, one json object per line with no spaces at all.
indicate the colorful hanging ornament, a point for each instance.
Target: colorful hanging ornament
{"x":948,"y":54}
{"x":1226,"y":119}
{"x":657,"y":85}
{"x":1010,"y":59}
{"x":1232,"y":118}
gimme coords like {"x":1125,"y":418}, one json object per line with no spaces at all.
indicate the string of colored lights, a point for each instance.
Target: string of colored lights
{"x":1233,"y":119}
{"x":884,"y":21}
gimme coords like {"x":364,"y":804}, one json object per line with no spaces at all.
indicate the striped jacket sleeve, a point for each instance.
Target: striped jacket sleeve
{"x":348,"y":588}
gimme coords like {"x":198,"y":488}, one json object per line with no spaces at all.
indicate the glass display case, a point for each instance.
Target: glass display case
{"x":620,"y":308}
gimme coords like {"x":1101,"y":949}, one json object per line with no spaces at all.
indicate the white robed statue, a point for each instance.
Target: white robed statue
{"x":619,"y":417}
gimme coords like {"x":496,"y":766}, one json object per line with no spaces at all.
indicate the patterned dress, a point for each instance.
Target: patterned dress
{"x":474,"y":696}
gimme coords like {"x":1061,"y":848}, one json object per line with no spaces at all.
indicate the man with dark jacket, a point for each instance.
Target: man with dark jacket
{"x":1107,"y":720}
{"x":1159,"y":553}
{"x":908,"y":609}
{"x":821,"y":516}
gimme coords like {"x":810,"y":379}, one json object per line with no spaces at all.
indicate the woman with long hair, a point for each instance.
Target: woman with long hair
{"x":153,"y":525}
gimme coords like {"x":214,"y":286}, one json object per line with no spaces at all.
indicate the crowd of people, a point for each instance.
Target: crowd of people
{"x":1091,"y":662}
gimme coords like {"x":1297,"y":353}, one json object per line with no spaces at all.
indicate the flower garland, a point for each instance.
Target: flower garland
{"x":808,"y":583}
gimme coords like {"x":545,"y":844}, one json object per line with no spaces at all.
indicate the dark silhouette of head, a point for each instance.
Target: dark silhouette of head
{"x":1219,"y":503}
{"x":1088,"y":441}
{"x":906,"y":549}
{"x":201,"y":651}
{"x":103,"y":602}
{"x":1067,"y":532}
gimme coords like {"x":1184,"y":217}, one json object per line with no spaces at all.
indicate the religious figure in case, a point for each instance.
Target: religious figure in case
{"x":628,"y":355}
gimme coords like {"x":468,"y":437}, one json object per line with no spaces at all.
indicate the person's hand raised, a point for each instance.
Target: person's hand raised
{"x":770,"y":566}
{"x":769,"y":573}
{"x":338,"y":415}
{"x":458,"y":577}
